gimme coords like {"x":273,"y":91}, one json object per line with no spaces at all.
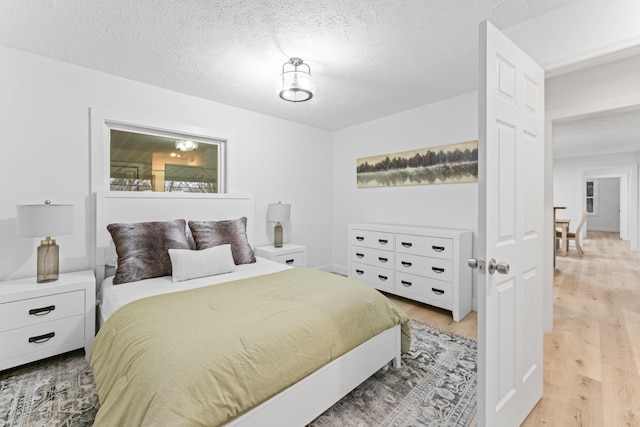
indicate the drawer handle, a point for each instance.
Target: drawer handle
{"x":406,"y":263}
{"x":438,"y":248}
{"x":383,"y":241}
{"x":359,"y":255}
{"x":437,"y":291}
{"x":381,"y":259}
{"x":381,"y":277}
{"x":360,"y":272}
{"x":289,"y":261}
{"x":42,"y":338}
{"x":438,"y":270}
{"x":42,"y":311}
{"x":407,"y":244}
{"x":359,"y":238}
{"x":405,"y":283}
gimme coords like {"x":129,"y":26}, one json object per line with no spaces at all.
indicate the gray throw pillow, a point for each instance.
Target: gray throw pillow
{"x":143,"y":248}
{"x":208,"y":234}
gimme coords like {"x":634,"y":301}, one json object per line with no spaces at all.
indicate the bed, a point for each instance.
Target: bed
{"x":156,"y":357}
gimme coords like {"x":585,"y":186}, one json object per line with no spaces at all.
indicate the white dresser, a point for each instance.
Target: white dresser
{"x":423,"y":264}
{"x":39,"y":320}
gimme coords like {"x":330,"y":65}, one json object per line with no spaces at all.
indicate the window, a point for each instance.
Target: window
{"x":148,"y":162}
{"x":591,"y":197}
{"x":138,"y":154}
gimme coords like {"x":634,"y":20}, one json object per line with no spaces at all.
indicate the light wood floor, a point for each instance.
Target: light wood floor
{"x":592,"y":356}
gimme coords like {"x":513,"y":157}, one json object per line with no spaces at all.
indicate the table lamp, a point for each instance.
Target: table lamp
{"x":46,"y":220}
{"x":278,"y":213}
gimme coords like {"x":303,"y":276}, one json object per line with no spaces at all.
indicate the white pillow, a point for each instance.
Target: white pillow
{"x":187,"y":264}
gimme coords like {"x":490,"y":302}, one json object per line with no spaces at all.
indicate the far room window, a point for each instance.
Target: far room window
{"x":141,"y":161}
{"x":591,"y":201}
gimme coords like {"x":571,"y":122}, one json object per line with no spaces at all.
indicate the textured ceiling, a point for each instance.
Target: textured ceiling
{"x":368,"y":58}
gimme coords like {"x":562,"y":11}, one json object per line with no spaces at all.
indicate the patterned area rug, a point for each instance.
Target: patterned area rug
{"x":436,"y":386}
{"x":58,"y":391}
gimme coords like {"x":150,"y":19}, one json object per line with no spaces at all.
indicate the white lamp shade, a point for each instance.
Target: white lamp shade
{"x":45,"y":220}
{"x":278,"y":212}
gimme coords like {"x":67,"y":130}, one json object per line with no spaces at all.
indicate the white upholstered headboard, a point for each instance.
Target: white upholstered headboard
{"x":129,"y":207}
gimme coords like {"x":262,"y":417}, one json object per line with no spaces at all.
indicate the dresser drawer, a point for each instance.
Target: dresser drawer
{"x":436,"y":247}
{"x":439,"y":269}
{"x":378,"y":277}
{"x":435,"y":290}
{"x":295,"y":259}
{"x":370,"y":256}
{"x":31,"y":339}
{"x":372,"y":239}
{"x":33,"y":311}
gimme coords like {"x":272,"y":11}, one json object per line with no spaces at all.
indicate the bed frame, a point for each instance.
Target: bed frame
{"x":303,"y":401}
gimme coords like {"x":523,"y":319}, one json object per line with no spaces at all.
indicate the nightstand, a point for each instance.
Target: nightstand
{"x":39,"y":320}
{"x":290,"y":254}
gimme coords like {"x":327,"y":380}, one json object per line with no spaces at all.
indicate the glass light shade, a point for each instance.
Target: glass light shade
{"x":45,"y":221}
{"x":295,"y":83}
{"x":186,"y":145}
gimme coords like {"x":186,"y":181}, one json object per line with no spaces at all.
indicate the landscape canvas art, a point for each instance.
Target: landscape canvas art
{"x":445,"y":164}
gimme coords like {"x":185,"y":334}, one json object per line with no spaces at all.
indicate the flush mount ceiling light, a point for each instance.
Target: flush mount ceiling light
{"x":295,"y":84}
{"x":186,"y":145}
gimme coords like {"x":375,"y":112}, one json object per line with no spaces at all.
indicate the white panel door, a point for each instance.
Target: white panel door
{"x":511,"y":170}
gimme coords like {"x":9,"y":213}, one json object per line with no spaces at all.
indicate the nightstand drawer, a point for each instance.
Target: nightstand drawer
{"x":33,"y":311}
{"x":295,"y":259}
{"x":23,"y":341}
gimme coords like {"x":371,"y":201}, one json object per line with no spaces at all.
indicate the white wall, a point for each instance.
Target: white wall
{"x":450,"y":205}
{"x":607,"y":216}
{"x":44,"y":117}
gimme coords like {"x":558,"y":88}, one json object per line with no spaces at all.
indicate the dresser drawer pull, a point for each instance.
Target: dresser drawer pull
{"x":289,"y":261}
{"x":360,"y":272}
{"x":405,"y":283}
{"x":359,"y":238}
{"x":42,"y":311}
{"x":381,"y":277}
{"x":406,"y":263}
{"x":383,"y":260}
{"x":359,"y":255}
{"x":407,"y":244}
{"x":437,"y":291}
{"x":438,"y":270}
{"x":42,"y":338}
{"x":383,"y":241}
{"x":437,"y":248}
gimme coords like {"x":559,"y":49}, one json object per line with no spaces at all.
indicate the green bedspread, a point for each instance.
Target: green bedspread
{"x":204,"y":356}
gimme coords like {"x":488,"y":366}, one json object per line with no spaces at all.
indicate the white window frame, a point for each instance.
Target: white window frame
{"x":103,"y":122}
{"x":594,"y":197}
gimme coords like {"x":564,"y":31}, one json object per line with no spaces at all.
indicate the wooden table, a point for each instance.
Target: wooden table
{"x":563,"y":225}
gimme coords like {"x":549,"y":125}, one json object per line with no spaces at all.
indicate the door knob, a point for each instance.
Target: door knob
{"x":476,"y":263}
{"x":500,"y":267}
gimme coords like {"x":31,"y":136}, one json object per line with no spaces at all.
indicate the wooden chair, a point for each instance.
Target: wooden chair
{"x":574,"y":236}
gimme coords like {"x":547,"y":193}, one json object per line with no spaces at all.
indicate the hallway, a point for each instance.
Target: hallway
{"x":592,"y":356}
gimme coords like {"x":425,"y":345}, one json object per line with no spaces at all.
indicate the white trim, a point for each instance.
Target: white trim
{"x":101,"y":123}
